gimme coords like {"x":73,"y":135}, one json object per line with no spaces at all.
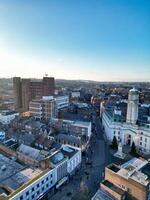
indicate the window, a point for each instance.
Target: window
{"x":140,"y":138}
{"x":47,"y":179}
{"x":38,"y":185}
{"x":42,"y":188}
{"x":145,"y":139}
{"x":38,"y":192}
{"x":21,"y":197}
{"x":145,"y":145}
{"x":27,"y":193}
{"x":129,"y":190}
{"x":141,"y":143}
{"x":114,"y":132}
{"x":33,"y":196}
{"x":51,"y":175}
{"x":118,"y":132}
{"x":43,"y":182}
{"x":47,"y":185}
{"x":32,"y":189}
{"x":51,"y":182}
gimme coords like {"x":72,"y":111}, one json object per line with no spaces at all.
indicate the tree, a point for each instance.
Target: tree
{"x":114,"y":144}
{"x":133,"y":149}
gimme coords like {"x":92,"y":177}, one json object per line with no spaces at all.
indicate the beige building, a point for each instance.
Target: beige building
{"x":133,"y":177}
{"x":43,"y":109}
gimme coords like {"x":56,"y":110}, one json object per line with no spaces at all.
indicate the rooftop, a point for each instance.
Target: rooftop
{"x":113,"y":187}
{"x":81,"y":123}
{"x":8,"y":167}
{"x":102,"y":195}
{"x":14,"y":176}
{"x":7,"y":112}
{"x":68,"y":137}
{"x":57,"y":157}
{"x":133,"y":170}
{"x":31,"y":152}
{"x":68,"y":151}
{"x":65,"y":152}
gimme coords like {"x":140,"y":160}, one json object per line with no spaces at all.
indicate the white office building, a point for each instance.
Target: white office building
{"x":6,"y":116}
{"x":74,"y":160}
{"x":43,"y":109}
{"x":62,"y":102}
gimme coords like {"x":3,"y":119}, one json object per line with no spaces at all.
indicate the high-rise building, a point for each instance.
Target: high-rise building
{"x":17,"y":92}
{"x":25,"y":90}
{"x":48,"y":86}
{"x":26,"y":94}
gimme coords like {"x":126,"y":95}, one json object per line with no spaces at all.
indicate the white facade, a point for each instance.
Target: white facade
{"x":74,"y":161}
{"x":132,"y":108}
{"x":37,"y":188}
{"x":7,"y":116}
{"x":43,"y":108}
{"x":84,"y":127}
{"x":63,"y":162}
{"x":127,"y":133}
{"x":62,"y":102}
{"x":75,"y":94}
{"x":2,"y":135}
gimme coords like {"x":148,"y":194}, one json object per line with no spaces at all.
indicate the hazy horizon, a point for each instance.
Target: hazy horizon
{"x":106,"y":41}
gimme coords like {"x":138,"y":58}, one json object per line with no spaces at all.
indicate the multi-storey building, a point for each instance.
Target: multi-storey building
{"x":126,"y":124}
{"x":17,"y":92}
{"x":6,"y":116}
{"x":26,"y":90}
{"x":43,"y":109}
{"x":78,"y":127}
{"x":21,"y":182}
{"x":61,"y":102}
{"x":132,"y":179}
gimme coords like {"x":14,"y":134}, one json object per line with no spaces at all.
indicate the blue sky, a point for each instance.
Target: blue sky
{"x":105,"y":40}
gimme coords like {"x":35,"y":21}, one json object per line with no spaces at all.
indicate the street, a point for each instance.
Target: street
{"x":91,"y":173}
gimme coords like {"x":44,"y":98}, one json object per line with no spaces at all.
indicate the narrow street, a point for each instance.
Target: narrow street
{"x":88,"y":178}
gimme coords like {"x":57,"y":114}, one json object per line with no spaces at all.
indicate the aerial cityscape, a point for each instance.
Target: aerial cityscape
{"x":74,"y":100}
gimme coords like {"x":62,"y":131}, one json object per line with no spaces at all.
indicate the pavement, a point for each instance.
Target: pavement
{"x":89,"y":176}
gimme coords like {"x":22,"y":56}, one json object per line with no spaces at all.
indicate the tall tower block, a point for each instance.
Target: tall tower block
{"x":132,"y":108}
{"x":17,"y":90}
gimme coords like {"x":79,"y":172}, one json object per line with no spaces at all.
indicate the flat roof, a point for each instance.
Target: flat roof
{"x":13,"y":174}
{"x":132,"y":170}
{"x":10,"y":166}
{"x":102,"y":195}
{"x":65,"y":152}
{"x":113,"y":187}
{"x":81,"y":123}
{"x":68,"y":151}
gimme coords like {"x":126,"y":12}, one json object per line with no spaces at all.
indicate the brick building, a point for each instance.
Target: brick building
{"x":25,"y":90}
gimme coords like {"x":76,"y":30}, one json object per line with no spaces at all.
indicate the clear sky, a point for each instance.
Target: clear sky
{"x":104,"y":40}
